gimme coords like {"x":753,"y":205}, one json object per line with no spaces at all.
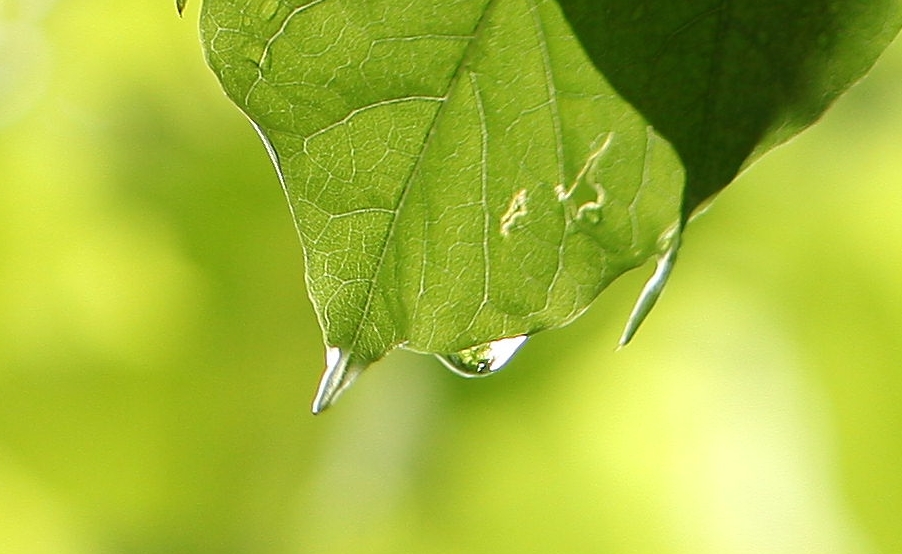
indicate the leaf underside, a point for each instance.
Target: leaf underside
{"x":462,"y":171}
{"x":458,"y":171}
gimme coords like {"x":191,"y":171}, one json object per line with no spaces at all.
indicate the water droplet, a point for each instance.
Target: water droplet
{"x":483,"y":359}
{"x":652,"y":290}
{"x":341,"y":370}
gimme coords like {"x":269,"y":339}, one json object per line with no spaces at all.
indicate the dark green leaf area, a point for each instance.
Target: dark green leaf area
{"x":726,"y":80}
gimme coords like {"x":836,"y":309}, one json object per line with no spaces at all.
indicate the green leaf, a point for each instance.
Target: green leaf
{"x":458,"y":170}
{"x":726,"y":80}
{"x":180,"y":5}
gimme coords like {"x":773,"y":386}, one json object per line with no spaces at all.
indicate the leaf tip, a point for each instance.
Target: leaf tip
{"x":651,"y":292}
{"x":340,"y":373}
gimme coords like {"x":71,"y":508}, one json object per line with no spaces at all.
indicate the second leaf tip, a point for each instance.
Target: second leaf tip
{"x":651,"y":291}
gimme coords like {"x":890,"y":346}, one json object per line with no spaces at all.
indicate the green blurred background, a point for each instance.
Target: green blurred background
{"x":158,"y":355}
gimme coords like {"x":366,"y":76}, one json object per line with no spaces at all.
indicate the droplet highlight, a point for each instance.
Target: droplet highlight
{"x":341,"y":371}
{"x":483,"y":359}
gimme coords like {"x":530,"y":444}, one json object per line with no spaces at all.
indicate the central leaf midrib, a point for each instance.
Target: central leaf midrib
{"x":458,"y":71}
{"x":551,"y":89}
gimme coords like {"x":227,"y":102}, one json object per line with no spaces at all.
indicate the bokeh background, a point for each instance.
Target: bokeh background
{"x":158,"y":354}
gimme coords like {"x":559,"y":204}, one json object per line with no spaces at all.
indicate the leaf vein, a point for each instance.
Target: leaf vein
{"x":371,"y":289}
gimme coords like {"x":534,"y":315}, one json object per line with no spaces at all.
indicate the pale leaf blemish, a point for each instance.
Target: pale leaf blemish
{"x":591,"y":211}
{"x":591,"y":164}
{"x":515,"y":211}
{"x":584,"y":198}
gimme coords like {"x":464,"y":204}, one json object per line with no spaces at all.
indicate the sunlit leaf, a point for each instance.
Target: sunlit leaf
{"x":725,"y":81}
{"x":458,"y":170}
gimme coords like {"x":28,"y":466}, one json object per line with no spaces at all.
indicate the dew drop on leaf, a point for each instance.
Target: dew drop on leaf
{"x":483,"y":359}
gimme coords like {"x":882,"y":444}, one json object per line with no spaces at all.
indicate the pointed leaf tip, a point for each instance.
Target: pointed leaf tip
{"x":341,"y":371}
{"x":180,"y":6}
{"x":652,"y":291}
